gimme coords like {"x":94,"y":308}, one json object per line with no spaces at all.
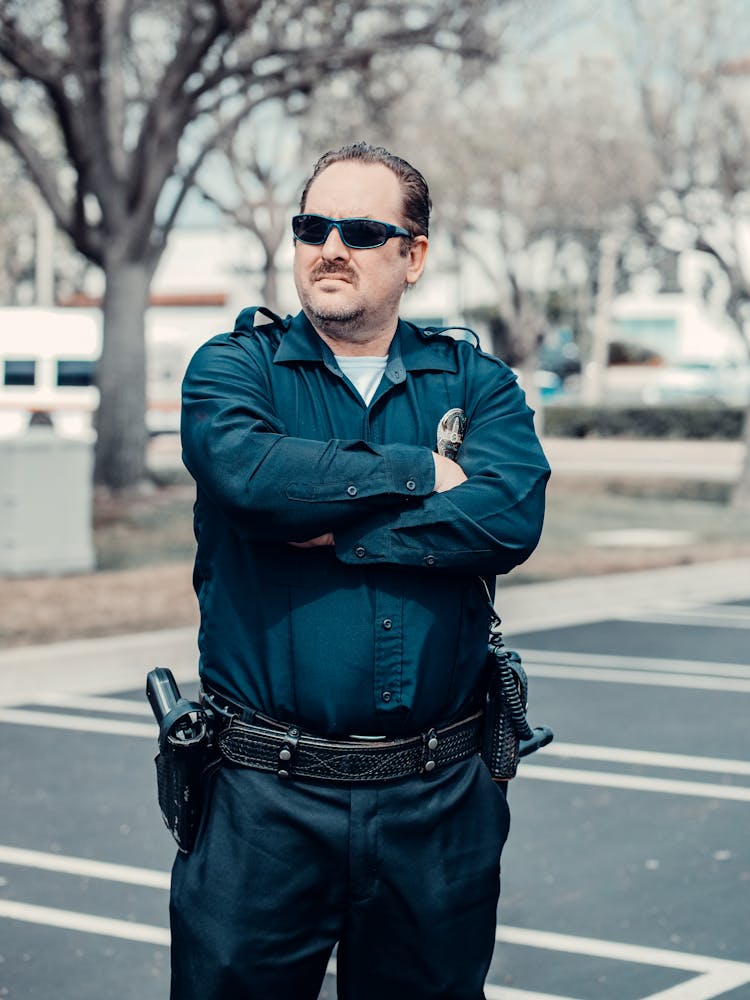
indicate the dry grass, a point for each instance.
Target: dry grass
{"x":47,"y":609}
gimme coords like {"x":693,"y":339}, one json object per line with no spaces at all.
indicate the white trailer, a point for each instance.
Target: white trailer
{"x":48,"y":363}
{"x":47,"y":368}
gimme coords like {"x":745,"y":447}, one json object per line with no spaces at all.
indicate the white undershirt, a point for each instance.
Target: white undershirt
{"x":364,"y":373}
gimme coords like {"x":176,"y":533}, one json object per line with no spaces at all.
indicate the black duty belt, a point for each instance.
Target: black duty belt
{"x":287,"y":751}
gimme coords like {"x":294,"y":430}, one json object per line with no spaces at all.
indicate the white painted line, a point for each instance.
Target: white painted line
{"x":86,"y":867}
{"x":610,"y":676}
{"x":606,"y":661}
{"x":56,"y":720}
{"x":712,"y":984}
{"x":631,"y":782}
{"x":686,"y":619}
{"x":113,"y":706}
{"x":86,"y":922}
{"x":648,"y":758}
{"x":492,"y":992}
{"x":619,"y":951}
{"x":160,"y":880}
{"x":718,"y":973}
{"x":708,"y":617}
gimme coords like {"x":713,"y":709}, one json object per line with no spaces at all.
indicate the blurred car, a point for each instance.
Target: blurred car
{"x":559,"y":354}
{"x":725,"y":382}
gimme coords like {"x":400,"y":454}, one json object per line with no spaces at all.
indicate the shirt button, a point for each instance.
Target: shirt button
{"x":410,"y":484}
{"x":352,"y":491}
{"x":386,"y":696}
{"x":429,"y":560}
{"x":387,"y":623}
{"x":360,"y":552}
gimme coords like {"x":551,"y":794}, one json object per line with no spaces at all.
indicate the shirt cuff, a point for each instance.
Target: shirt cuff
{"x":410,"y":470}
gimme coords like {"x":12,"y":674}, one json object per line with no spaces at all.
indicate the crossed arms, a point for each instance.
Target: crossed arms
{"x":374,"y":503}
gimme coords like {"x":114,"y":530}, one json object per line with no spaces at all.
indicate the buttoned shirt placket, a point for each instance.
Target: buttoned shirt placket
{"x":388,"y":621}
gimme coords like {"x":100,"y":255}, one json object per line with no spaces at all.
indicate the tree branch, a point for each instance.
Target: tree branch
{"x":31,"y":59}
{"x":37,"y":167}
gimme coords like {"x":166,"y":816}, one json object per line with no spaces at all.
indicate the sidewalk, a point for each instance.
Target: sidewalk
{"x":714,"y":461}
{"x":103,"y":666}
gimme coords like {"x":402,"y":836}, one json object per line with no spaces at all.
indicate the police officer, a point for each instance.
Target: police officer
{"x":344,"y":623}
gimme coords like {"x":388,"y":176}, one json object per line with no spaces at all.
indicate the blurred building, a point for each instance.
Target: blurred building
{"x":673,"y":348}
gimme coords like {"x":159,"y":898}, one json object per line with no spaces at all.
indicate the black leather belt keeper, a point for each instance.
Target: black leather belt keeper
{"x":291,"y":753}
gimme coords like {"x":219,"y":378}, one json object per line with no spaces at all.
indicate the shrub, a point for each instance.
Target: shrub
{"x":677,"y":422}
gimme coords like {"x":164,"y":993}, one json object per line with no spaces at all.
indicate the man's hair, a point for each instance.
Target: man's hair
{"x":416,"y":195}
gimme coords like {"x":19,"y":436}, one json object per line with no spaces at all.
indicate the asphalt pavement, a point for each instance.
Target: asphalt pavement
{"x":627,"y":871}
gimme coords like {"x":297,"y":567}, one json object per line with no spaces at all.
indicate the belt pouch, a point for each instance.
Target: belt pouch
{"x":500,"y":737}
{"x":182,"y":774}
{"x":186,"y":757}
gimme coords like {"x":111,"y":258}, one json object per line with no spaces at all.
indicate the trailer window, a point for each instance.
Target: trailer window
{"x":75,"y":373}
{"x":18,"y":372}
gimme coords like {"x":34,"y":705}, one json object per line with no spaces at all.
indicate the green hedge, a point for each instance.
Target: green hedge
{"x":679,"y":422}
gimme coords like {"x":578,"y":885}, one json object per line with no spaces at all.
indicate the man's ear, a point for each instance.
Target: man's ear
{"x":417,"y":257}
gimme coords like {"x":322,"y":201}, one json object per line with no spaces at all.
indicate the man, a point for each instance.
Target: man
{"x":344,"y":621}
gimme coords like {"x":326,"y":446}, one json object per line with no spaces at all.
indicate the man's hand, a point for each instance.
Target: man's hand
{"x":447,"y":473}
{"x":313,"y":543}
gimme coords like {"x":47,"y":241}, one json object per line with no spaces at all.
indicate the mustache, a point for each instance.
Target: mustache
{"x":331,"y":267}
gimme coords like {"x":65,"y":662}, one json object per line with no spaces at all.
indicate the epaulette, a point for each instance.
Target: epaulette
{"x":460,"y":334}
{"x":245,"y":324}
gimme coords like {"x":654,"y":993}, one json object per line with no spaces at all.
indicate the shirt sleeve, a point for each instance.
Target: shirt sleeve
{"x":488,"y":524}
{"x":271,"y":485}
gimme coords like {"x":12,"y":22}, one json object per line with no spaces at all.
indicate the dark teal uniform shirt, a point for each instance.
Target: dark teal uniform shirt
{"x":386,"y":631}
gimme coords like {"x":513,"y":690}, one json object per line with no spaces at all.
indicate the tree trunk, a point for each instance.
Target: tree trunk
{"x":741,"y":492}
{"x":595,"y":371}
{"x":120,"y":458}
{"x":269,"y":291}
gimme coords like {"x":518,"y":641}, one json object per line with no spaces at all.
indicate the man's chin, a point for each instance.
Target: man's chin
{"x":338,"y":322}
{"x":340,"y":317}
{"x":331,"y":309}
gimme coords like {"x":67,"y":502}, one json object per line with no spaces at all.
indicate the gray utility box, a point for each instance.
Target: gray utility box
{"x":45,"y":504}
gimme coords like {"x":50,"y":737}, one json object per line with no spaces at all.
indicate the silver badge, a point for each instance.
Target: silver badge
{"x":450,"y":433}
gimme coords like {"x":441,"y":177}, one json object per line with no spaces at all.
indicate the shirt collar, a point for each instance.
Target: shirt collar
{"x":409,"y":351}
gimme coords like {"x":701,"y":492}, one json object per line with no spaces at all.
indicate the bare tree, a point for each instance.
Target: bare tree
{"x":692,"y":76}
{"x":543,"y":171}
{"x":114,"y":106}
{"x":260,"y":185}
{"x":17,"y":232}
{"x":36,"y":262}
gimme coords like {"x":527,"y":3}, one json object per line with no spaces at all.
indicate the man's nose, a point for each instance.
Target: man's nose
{"x":334,"y":247}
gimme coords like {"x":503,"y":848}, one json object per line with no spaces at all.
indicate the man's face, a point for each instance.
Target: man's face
{"x":352,"y":296}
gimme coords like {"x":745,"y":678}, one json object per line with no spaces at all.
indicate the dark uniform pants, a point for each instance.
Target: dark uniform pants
{"x":405,"y":877}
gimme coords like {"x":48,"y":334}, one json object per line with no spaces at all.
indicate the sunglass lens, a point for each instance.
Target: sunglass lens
{"x":310,"y":228}
{"x":364,"y":233}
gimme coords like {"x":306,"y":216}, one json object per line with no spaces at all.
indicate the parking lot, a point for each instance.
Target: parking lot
{"x":627,"y":872}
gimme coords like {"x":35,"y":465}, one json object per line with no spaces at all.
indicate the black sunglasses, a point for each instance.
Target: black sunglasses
{"x":359,"y":234}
